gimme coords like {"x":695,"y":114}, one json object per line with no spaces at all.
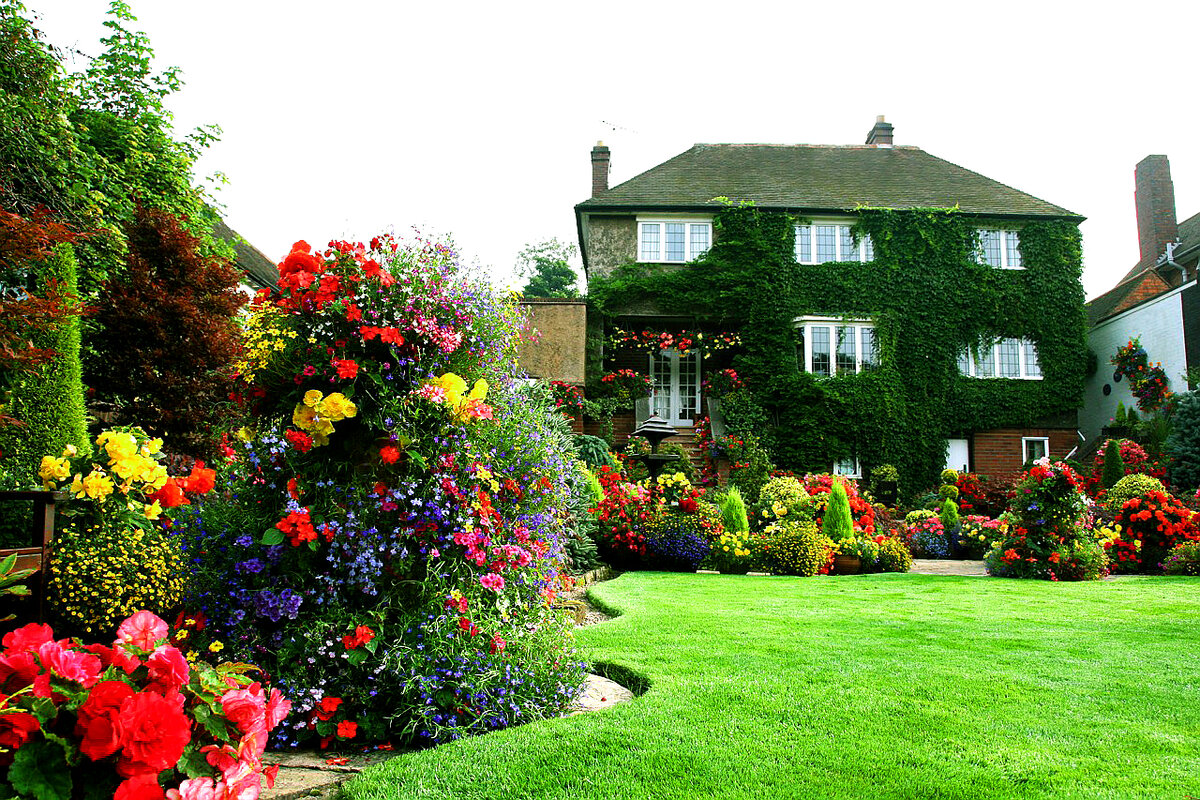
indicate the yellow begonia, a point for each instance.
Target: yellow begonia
{"x":312,"y":397}
{"x":317,"y":417}
{"x":152,"y":510}
{"x":153,"y":447}
{"x":119,"y":445}
{"x":96,"y":485}
{"x":244,"y":434}
{"x":54,"y":470}
{"x":70,"y":451}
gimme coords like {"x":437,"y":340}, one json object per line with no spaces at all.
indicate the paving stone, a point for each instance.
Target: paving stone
{"x":948,"y":566}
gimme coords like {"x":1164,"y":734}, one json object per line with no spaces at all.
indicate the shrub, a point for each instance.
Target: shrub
{"x":676,"y":541}
{"x":782,"y":497}
{"x":837,"y":525}
{"x":926,"y":536}
{"x":977,"y":535}
{"x":120,"y":720}
{"x":733,"y":511}
{"x":819,"y":487}
{"x":893,"y":556}
{"x":1129,"y":487}
{"x":797,"y":548}
{"x":732,"y":552}
{"x":1134,"y":459}
{"x":1184,"y":559}
{"x":1151,"y":525}
{"x":593,"y":451}
{"x":749,"y":464}
{"x":1183,"y":443}
{"x":1114,"y":467}
{"x":949,"y":517}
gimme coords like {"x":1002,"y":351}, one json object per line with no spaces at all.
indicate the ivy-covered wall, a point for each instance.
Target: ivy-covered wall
{"x":929,"y":300}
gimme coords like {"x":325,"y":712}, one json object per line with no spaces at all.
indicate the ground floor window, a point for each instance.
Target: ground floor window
{"x":675,"y":386}
{"x":847,"y":468}
{"x":1034,"y":447}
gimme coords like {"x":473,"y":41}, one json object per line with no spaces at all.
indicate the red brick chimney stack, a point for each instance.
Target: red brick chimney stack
{"x":881,"y":134}
{"x":600,"y":160}
{"x":1154,"y":195}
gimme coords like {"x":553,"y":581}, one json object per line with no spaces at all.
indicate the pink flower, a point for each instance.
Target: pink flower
{"x":278,"y":707}
{"x":29,"y":637}
{"x":168,"y":669}
{"x":247,"y":709}
{"x":193,"y":789}
{"x":83,"y":668}
{"x":492,"y":581}
{"x":143,"y":630}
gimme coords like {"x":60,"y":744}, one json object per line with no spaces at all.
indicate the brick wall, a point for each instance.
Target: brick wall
{"x":1154,"y":194}
{"x":998,"y":452}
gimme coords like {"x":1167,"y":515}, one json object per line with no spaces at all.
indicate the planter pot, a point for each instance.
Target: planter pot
{"x":847,"y":565}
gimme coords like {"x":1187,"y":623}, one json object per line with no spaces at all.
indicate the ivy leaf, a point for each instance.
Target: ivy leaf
{"x":272,"y":536}
{"x":40,"y":770}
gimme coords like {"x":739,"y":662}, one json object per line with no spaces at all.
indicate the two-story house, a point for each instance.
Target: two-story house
{"x":961,"y":326}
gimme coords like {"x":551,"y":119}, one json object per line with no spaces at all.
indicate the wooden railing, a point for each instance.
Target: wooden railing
{"x":37,"y":554}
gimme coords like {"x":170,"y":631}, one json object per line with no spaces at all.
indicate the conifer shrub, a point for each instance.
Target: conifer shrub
{"x":733,"y":511}
{"x":1183,"y":443}
{"x":1129,"y":487}
{"x":837,"y":523}
{"x":1114,"y":467}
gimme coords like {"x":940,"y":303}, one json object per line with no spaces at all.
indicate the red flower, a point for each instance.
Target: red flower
{"x":300,"y":260}
{"x":201,"y":481}
{"x":299,"y":440}
{"x":153,"y":731}
{"x":16,"y":728}
{"x":362,"y":634}
{"x":327,"y":707}
{"x":1054,"y":558}
{"x":347,"y":369}
{"x":347,"y":729}
{"x":389,"y":454}
{"x":29,"y":637}
{"x":168,"y":669}
{"x":96,"y":719}
{"x":143,"y":787}
{"x":170,"y":495}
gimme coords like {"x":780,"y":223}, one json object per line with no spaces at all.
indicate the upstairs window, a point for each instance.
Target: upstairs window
{"x":1000,"y":249}
{"x":673,"y":241}
{"x":1005,"y":358}
{"x":821,"y":242}
{"x":830,"y":346}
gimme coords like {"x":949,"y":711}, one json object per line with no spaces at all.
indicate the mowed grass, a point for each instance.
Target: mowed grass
{"x":880,"y":686}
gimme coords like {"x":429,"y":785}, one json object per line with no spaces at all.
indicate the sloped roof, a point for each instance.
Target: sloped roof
{"x":1189,"y":236}
{"x":1121,"y":297}
{"x":817,"y":178}
{"x":260,"y":270}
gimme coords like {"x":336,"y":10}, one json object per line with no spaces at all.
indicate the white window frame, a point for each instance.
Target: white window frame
{"x":688,"y":224}
{"x":675,"y":389}
{"x":1025,"y":440}
{"x":1024,"y":371}
{"x":865,"y":247}
{"x":1010,"y":248}
{"x":838,"y":465}
{"x":806,"y":325}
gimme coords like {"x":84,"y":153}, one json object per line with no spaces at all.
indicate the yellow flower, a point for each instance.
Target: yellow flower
{"x":70,"y":451}
{"x":312,"y":397}
{"x":216,"y":647}
{"x":152,"y":510}
{"x":96,"y":485}
{"x":119,"y":445}
{"x":153,"y":447}
{"x":304,"y":417}
{"x":54,"y":470}
{"x":244,"y":434}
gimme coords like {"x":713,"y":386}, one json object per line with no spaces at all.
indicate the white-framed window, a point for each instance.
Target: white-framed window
{"x":675,"y":386}
{"x":832,"y":346}
{"x":1000,"y":248}
{"x":1004,"y":358}
{"x":673,"y":240}
{"x":1034,"y":447}
{"x":847,"y":468}
{"x":822,"y":241}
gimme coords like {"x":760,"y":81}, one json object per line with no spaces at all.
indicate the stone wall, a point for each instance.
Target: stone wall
{"x":556,"y":346}
{"x":612,"y":241}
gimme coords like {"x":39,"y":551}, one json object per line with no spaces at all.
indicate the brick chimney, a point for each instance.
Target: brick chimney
{"x":881,"y":134}
{"x":1154,"y":195}
{"x":599,"y":169}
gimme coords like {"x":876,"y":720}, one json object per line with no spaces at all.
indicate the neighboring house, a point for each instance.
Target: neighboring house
{"x":1157,"y":301}
{"x":665,"y":216}
{"x":260,"y":271}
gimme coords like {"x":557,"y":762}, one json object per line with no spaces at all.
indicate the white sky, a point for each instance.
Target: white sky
{"x":477,"y":119}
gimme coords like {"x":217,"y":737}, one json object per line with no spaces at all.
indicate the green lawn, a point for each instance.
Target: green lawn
{"x":880,"y":686}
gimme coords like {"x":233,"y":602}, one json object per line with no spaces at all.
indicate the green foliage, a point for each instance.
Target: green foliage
{"x":50,"y":401}
{"x":929,"y":300}
{"x":750,"y":465}
{"x":837,"y":524}
{"x":639,"y":446}
{"x":1183,"y":444}
{"x":595,"y":490}
{"x":1129,"y":487}
{"x":893,"y":556}
{"x":546,"y":266}
{"x":797,"y":548}
{"x":1121,"y":418}
{"x":949,"y":516}
{"x":1114,"y":467}
{"x":1184,"y":559}
{"x":593,"y":451}
{"x":733,"y":511}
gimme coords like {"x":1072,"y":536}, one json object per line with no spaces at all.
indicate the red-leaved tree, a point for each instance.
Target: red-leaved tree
{"x":169,"y":337}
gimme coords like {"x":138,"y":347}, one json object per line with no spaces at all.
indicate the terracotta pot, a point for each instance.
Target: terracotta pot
{"x":847,"y":565}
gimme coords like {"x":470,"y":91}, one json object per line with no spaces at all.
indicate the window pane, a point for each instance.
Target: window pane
{"x":689,"y":385}
{"x":1035,"y":449}
{"x":849,"y":248}
{"x":1011,"y":249}
{"x":964,"y":363}
{"x":804,"y":244}
{"x":675,"y":241}
{"x":985,"y":364}
{"x":868,"y":248}
{"x":989,"y":242}
{"x":1033,"y":367}
{"x":870,"y":346}
{"x":699,"y":242}
{"x":649,"y":249}
{"x":660,"y":373}
{"x":1010,"y":353}
{"x":820,"y":349}
{"x":846,"y":350}
{"x":847,"y":467}
{"x":826,"y":243}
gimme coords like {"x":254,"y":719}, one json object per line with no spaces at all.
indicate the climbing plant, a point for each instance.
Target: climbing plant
{"x":930,"y":301}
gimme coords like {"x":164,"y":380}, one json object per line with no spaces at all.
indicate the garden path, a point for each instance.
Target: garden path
{"x":946,"y":566}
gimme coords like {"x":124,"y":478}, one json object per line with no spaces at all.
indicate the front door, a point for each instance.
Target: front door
{"x":675,"y":386}
{"x":958,"y":454}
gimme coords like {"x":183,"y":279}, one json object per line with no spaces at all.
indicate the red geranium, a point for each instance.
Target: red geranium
{"x":299,"y":440}
{"x":389,"y":454}
{"x":347,"y":729}
{"x":362,"y":634}
{"x":346,"y":368}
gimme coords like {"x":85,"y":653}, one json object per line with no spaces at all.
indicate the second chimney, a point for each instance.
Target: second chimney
{"x":881,"y":134}
{"x":1154,"y":195}
{"x":600,"y":158}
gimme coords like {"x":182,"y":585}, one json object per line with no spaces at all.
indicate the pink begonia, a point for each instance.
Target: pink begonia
{"x":278,"y":707}
{"x":195,"y":789}
{"x":168,"y":668}
{"x":492,"y":581}
{"x":143,"y":630}
{"x":81,"y":667}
